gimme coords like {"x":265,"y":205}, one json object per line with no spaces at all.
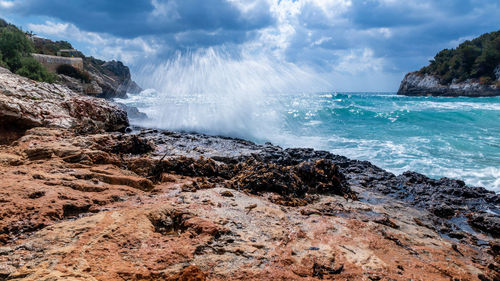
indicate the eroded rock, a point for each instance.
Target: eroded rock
{"x":25,"y":104}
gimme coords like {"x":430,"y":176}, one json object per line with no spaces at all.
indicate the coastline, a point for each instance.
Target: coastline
{"x":417,"y":84}
{"x":83,"y":200}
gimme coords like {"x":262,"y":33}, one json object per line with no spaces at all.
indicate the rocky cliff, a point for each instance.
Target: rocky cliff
{"x":472,"y":69}
{"x":112,"y":77}
{"x":80,"y":203}
{"x":104,"y":79}
{"x":418,"y":84}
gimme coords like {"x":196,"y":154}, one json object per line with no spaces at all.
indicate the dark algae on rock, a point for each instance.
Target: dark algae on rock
{"x":472,"y":69}
{"x":295,"y":172}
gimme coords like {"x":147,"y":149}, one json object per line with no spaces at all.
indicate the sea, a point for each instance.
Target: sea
{"x":455,"y":137}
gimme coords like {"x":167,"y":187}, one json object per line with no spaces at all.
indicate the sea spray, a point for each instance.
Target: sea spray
{"x":258,"y":99}
{"x":218,"y":92}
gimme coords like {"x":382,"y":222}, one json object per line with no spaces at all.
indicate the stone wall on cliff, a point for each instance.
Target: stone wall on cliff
{"x":53,"y":62}
{"x":110,"y":79}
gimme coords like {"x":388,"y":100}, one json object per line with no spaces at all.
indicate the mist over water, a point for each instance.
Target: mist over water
{"x":259,"y":99}
{"x":217,"y":92}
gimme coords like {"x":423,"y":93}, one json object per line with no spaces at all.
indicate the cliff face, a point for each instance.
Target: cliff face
{"x":417,"y":84}
{"x":112,"y":77}
{"x":105,"y":79}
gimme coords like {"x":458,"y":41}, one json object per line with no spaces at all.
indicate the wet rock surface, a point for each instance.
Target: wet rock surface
{"x":153,"y":205}
{"x":80,"y":203}
{"x":445,"y":198}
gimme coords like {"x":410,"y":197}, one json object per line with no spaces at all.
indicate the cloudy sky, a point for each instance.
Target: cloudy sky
{"x":356,"y":44}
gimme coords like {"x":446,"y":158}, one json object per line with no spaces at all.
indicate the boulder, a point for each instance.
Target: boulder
{"x":25,"y":104}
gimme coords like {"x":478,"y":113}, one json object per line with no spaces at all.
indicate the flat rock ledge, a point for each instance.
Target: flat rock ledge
{"x":159,"y":205}
{"x":416,"y":84}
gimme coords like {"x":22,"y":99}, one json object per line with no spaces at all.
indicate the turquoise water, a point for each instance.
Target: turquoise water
{"x":452,"y":137}
{"x":436,"y":136}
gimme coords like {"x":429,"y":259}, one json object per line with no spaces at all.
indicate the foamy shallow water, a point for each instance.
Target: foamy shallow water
{"x":438,"y":137}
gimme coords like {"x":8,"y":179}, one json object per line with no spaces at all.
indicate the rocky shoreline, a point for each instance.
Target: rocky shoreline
{"x":417,"y":84}
{"x":84,"y":200}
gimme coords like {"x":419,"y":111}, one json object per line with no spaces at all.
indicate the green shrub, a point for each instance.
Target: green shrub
{"x":32,"y":69}
{"x":70,"y":71}
{"x":48,"y":47}
{"x":13,"y":46}
{"x":2,"y":64}
{"x":15,"y":54}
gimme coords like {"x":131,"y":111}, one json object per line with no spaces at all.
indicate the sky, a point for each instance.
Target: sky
{"x":358,"y":45}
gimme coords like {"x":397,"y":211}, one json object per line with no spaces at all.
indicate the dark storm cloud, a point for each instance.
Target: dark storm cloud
{"x":129,"y":18}
{"x":392,"y":35}
{"x":404,"y":33}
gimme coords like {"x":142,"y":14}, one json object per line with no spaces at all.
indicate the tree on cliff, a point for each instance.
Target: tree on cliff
{"x":15,"y":54}
{"x":475,"y":59}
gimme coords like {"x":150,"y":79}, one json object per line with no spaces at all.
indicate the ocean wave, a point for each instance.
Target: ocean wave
{"x":438,"y":137}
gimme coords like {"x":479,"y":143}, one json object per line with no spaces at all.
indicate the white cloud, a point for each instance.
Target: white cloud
{"x":345,"y":37}
{"x":166,"y":10}
{"x":101,"y":45}
{"x":6,"y":4}
{"x":359,"y":60}
{"x":304,"y":25}
{"x":321,"y":41}
{"x":67,"y":30}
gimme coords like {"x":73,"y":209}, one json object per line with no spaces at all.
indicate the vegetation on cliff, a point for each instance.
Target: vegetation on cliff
{"x":476,"y":59}
{"x":15,"y":54}
{"x":49,"y":47}
{"x":110,"y":79}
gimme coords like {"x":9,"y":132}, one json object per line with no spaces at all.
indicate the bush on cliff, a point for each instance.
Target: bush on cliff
{"x":49,"y":47}
{"x":472,"y":59}
{"x":15,"y":54}
{"x":2,"y":64}
{"x":32,"y":69}
{"x":70,"y":71}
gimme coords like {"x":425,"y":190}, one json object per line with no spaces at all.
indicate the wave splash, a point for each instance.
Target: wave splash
{"x":216,"y":92}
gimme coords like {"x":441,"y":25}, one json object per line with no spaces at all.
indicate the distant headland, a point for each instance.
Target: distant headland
{"x":472,"y":69}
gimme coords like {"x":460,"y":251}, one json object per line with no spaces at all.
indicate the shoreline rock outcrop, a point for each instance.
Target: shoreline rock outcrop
{"x":81,"y":200}
{"x":112,"y":77}
{"x":25,"y":104}
{"x":417,"y":84}
{"x":158,"y":205}
{"x":472,"y":69}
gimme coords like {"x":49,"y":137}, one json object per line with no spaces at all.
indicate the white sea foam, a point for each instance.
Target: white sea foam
{"x":454,"y":105}
{"x":256,"y":98}
{"x":398,"y":158}
{"x":215,"y":92}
